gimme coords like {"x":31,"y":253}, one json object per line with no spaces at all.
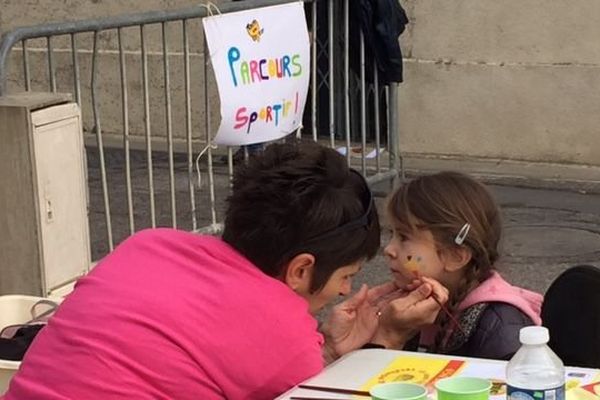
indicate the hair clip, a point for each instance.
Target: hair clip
{"x":462,"y":234}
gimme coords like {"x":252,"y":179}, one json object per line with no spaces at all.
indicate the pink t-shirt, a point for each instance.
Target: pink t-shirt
{"x":172,"y":315}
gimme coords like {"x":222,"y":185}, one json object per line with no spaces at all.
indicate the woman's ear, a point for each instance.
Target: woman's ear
{"x":298,"y":273}
{"x":457,"y":257}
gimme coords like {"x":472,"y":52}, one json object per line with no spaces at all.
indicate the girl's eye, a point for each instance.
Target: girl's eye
{"x":402,"y":237}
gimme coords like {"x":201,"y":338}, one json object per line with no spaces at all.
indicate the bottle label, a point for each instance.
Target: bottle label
{"x":515,"y":393}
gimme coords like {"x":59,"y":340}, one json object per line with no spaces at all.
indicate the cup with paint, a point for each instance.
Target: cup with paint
{"x":398,"y":391}
{"x":463,"y":388}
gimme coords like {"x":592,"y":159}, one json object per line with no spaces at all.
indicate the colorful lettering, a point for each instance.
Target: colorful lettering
{"x":276,"y":108}
{"x":233,"y":55}
{"x":297,"y":65}
{"x":253,"y":118}
{"x":286,"y":108}
{"x":269,"y":115}
{"x":272,"y":113}
{"x":272,"y":68}
{"x":285,"y":61}
{"x":262,"y":74}
{"x":244,"y":71}
{"x":254,"y":72}
{"x":240,"y":118}
{"x":279,"y":68}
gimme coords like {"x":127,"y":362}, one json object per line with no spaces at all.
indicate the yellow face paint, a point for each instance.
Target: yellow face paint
{"x":413,"y":264}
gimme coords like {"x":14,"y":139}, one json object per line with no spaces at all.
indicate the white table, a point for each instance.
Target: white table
{"x":356,"y":368}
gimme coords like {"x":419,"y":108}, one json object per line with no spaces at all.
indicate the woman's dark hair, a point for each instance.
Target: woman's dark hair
{"x":301,"y":198}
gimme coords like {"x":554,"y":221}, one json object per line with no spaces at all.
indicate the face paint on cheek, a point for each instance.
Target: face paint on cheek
{"x":413,"y":264}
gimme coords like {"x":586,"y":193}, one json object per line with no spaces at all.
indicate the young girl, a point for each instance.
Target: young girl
{"x":447,"y":227}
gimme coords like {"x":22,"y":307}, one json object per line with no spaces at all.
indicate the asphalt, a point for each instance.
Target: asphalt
{"x":545,"y":231}
{"x":547,"y":228}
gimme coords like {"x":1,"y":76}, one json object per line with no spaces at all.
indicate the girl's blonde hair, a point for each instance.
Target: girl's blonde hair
{"x":443,"y":203}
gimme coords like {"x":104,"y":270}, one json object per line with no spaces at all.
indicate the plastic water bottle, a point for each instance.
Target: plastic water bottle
{"x":535,"y":372}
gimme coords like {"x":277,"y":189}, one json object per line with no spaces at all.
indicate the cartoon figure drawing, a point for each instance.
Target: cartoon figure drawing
{"x":254,"y":30}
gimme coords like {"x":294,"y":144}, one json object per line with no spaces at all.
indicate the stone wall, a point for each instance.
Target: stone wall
{"x":515,"y":79}
{"x":503,"y":79}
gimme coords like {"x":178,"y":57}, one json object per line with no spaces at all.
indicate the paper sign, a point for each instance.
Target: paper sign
{"x":261,"y":59}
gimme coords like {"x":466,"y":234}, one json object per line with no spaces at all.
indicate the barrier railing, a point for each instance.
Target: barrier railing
{"x":137,"y":147}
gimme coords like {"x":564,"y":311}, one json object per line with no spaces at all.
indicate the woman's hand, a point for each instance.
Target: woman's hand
{"x":404,"y":316}
{"x":353,"y":322}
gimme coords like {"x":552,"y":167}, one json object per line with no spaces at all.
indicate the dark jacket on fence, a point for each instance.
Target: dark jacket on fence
{"x":382,"y":22}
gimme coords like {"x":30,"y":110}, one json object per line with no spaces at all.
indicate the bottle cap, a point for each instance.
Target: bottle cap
{"x":534,"y":335}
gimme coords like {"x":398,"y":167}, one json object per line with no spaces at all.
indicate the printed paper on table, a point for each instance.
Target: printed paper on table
{"x":581,"y":383}
{"x":415,"y":369}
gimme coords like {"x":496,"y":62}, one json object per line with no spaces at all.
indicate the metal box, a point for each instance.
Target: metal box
{"x":44,"y":233}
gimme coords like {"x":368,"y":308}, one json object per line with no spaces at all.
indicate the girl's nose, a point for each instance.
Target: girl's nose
{"x":389,"y":251}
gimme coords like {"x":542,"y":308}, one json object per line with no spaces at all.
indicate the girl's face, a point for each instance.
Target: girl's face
{"x":410,"y":256}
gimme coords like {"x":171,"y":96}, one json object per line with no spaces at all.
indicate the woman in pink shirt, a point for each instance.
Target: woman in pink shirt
{"x":175,"y":315}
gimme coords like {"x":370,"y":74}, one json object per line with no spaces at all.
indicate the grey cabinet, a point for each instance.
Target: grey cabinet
{"x":44,"y":234}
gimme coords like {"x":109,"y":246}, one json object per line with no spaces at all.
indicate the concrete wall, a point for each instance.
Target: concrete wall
{"x":510,"y":80}
{"x":16,"y":14}
{"x":504,"y":79}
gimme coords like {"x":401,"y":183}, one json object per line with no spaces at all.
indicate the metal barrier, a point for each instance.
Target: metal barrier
{"x":140,"y":160}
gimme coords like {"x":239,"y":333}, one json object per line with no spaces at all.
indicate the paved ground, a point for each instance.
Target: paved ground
{"x":546,"y":230}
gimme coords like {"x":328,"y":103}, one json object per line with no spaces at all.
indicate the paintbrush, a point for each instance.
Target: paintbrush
{"x":314,"y":398}
{"x":412,"y":265}
{"x":449,"y":314}
{"x":335,"y":390}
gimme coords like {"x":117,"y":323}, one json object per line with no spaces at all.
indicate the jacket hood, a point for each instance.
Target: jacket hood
{"x":496,"y":289}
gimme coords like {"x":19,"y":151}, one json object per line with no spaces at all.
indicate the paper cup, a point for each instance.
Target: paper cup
{"x":398,"y":391}
{"x":463,"y":388}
